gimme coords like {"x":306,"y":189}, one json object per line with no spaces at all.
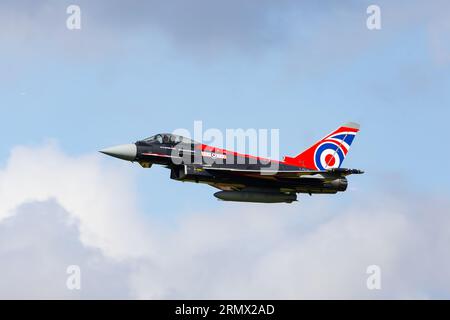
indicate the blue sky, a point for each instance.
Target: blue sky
{"x":136,"y":69}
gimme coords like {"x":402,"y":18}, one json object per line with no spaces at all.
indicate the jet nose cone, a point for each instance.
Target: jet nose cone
{"x":123,"y":151}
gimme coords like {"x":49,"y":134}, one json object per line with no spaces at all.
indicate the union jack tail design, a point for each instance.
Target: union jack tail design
{"x":329,"y":152}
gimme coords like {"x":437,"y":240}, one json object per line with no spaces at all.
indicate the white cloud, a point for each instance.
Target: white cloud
{"x":268,"y":254}
{"x":38,"y":243}
{"x":304,"y":250}
{"x":101,"y":198}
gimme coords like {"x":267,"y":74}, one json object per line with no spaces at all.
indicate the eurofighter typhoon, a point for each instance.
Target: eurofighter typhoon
{"x":242,"y":177}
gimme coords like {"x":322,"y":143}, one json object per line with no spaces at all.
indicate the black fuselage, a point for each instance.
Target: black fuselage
{"x":194,"y":162}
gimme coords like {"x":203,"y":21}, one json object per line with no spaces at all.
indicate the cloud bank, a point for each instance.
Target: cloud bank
{"x":204,"y":27}
{"x":58,"y":210}
{"x":37,"y":245}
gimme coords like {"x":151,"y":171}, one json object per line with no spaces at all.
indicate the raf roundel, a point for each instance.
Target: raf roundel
{"x":328,"y":155}
{"x":332,"y":151}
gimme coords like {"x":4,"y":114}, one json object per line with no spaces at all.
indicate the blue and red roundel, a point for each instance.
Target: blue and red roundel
{"x":331,"y":151}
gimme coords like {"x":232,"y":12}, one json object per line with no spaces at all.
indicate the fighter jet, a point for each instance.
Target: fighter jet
{"x":246,"y":178}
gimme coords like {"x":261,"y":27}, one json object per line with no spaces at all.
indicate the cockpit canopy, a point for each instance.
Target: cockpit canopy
{"x":168,"y":138}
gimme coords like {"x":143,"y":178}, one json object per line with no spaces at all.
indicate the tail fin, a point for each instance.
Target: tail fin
{"x":329,"y":152}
